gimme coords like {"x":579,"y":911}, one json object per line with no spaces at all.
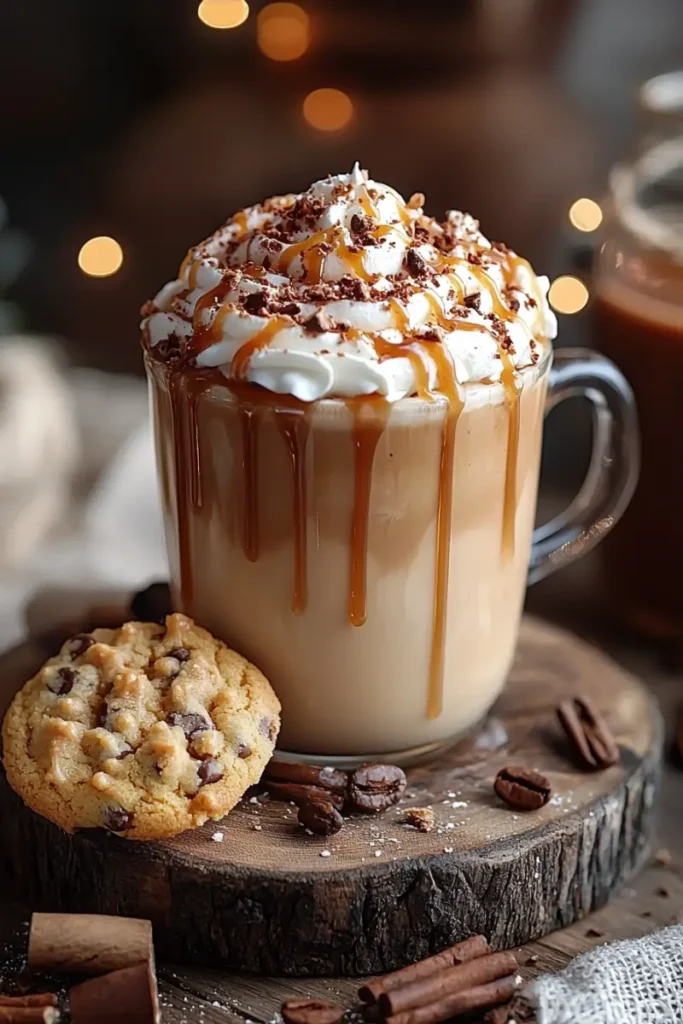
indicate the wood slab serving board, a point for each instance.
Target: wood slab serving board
{"x":271,"y":899}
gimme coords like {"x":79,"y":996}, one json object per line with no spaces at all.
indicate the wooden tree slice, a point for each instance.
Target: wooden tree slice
{"x":271,"y":899}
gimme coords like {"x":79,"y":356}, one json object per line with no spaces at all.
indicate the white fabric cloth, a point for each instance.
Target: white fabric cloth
{"x":98,"y":525}
{"x":637,"y":981}
{"x":38,"y":445}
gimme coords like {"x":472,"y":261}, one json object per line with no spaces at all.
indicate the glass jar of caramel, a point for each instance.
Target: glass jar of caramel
{"x":640,"y":327}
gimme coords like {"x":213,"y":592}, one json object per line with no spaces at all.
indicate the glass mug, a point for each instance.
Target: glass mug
{"x":377,"y":581}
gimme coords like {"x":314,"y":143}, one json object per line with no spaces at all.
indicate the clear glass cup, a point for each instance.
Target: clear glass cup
{"x":639,"y":320}
{"x":377,"y":582}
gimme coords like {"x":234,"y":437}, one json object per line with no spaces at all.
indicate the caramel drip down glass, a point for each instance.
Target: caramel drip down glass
{"x":372,"y":557}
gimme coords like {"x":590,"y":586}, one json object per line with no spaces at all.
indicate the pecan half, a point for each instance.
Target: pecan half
{"x":588,"y":733}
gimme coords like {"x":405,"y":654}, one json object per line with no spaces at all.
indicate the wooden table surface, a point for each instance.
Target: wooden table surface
{"x":647,"y":902}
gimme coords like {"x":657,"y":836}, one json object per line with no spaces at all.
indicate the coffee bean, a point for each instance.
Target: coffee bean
{"x":321,"y":817}
{"x":307,"y":775}
{"x":152,"y":604}
{"x":375,"y":787}
{"x":522,"y":788}
{"x":79,"y":644}
{"x":210,"y":771}
{"x":310,"y":1011}
{"x":63,"y":681}
{"x":299,"y":794}
{"x":190,"y":724}
{"x":180,"y":654}
{"x":117,"y":819}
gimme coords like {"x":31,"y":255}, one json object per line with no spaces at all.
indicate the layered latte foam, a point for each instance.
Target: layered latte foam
{"x":348,"y":404}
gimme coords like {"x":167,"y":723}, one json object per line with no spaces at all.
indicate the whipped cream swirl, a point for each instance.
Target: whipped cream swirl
{"x":336,"y":291}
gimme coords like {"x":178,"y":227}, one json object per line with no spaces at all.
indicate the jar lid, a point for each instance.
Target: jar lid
{"x":663,"y":95}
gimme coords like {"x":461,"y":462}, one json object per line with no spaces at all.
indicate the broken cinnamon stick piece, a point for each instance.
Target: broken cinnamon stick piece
{"x":477,"y":998}
{"x":88,"y":943}
{"x":29,"y":1015}
{"x":440,"y":986}
{"x":461,"y":953}
{"x":36,"y":999}
{"x":128,"y":996}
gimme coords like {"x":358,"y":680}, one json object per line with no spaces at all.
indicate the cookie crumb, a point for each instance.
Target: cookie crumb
{"x":217,"y":837}
{"x":325,"y":853}
{"x":420,"y":818}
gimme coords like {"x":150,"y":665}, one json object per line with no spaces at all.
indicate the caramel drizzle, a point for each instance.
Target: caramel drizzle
{"x":204,"y":335}
{"x":366,"y":204}
{"x":512,"y":396}
{"x":254,"y":270}
{"x":185,"y":390}
{"x":449,"y":388}
{"x":314,"y":252}
{"x":248,"y":417}
{"x":294,"y":427}
{"x":241,"y":220}
{"x":370,"y":416}
{"x":508,"y":380}
{"x":449,"y":392}
{"x":303,"y":248}
{"x":257,"y":342}
{"x":512,"y":263}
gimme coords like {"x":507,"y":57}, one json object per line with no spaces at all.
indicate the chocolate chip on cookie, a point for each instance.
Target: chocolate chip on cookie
{"x":180,"y":654}
{"x":190,"y":724}
{"x":116,"y":819}
{"x":62,"y":683}
{"x":79,"y":644}
{"x":210,"y":771}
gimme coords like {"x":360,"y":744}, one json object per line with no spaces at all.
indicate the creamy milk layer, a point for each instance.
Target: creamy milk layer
{"x":347,"y":290}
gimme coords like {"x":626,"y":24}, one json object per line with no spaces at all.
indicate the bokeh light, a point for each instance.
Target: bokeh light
{"x":100,"y":257}
{"x":568,"y":294}
{"x":223,"y":13}
{"x":585,"y":215}
{"x":283,"y":31}
{"x":328,"y":110}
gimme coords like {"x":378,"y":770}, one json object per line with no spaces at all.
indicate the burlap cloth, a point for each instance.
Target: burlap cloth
{"x":637,"y":981}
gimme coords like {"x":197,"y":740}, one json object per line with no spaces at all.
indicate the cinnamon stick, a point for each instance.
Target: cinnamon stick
{"x":461,"y":953}
{"x":446,"y":983}
{"x":477,"y":998}
{"x":35,"y":999}
{"x":128,"y":996}
{"x":29,"y":1015}
{"x":88,"y":943}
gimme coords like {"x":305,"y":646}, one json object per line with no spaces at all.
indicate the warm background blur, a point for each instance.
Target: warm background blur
{"x":135,"y":119}
{"x":151,"y":121}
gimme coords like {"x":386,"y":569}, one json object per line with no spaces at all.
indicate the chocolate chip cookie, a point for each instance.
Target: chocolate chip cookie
{"x":145,"y":730}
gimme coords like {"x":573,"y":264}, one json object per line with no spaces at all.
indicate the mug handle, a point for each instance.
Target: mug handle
{"x":615,"y":460}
